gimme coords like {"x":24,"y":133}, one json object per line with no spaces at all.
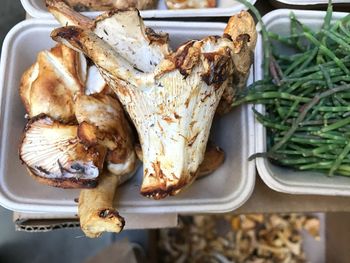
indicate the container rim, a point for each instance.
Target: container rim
{"x":154,"y":13}
{"x":310,"y":2}
{"x":262,"y":164}
{"x":229,"y":203}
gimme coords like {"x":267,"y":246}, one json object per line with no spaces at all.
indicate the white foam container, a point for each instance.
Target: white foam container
{"x":311,"y":2}
{"x":225,"y":190}
{"x":280,"y":178}
{"x":37,"y":9}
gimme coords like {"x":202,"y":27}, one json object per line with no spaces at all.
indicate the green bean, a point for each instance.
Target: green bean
{"x":268,"y":123}
{"x":330,"y":116}
{"x":317,"y":75}
{"x":304,"y":112}
{"x":291,"y":110}
{"x":327,"y":52}
{"x":315,"y":110}
{"x":317,"y":165}
{"x":311,"y":141}
{"x":341,"y":78}
{"x":290,"y":152}
{"x":293,"y":87}
{"x":335,"y":125}
{"x":343,"y":172}
{"x":298,"y":161}
{"x":310,"y":91}
{"x":295,"y":64}
{"x":283,"y":111}
{"x":315,"y":122}
{"x":279,"y":109}
{"x":270,"y":95}
{"x":287,"y":58}
{"x":329,"y":157}
{"x":305,"y":29}
{"x":284,"y":40}
{"x":329,"y":136}
{"x":324,"y":148}
{"x":339,"y":159}
{"x":315,"y":68}
{"x":327,"y":77}
{"x":337,"y":39}
{"x":327,"y":20}
{"x":293,"y":29}
{"x":325,"y":26}
{"x":309,"y":59}
{"x":340,"y":36}
{"x":346,"y":114}
{"x":340,"y":100}
{"x":264,"y":101}
{"x":334,"y":109}
{"x":308,"y":129}
{"x":344,"y":31}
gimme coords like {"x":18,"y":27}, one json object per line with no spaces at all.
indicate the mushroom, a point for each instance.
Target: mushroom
{"x":105,"y":5}
{"x":126,"y":32}
{"x":265,"y":242}
{"x":171,"y":106}
{"x":186,"y":4}
{"x":51,"y":84}
{"x":102,"y":121}
{"x":214,"y":156}
{"x":96,"y":210}
{"x":53,"y":154}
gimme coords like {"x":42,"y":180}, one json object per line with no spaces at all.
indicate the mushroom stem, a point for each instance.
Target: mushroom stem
{"x":96,"y":211}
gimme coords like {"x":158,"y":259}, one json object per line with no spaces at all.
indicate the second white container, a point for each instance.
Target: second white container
{"x":280,"y":178}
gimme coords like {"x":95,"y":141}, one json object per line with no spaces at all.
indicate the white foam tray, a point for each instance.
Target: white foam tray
{"x":311,"y":2}
{"x":225,"y":190}
{"x":37,"y":9}
{"x":276,"y":177}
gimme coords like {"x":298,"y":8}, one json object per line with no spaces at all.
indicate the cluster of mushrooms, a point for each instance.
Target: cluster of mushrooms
{"x":105,"y":5}
{"x":113,"y":90}
{"x":254,"y":238}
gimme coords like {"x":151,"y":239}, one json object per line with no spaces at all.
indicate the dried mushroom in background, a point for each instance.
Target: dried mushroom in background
{"x":237,"y":238}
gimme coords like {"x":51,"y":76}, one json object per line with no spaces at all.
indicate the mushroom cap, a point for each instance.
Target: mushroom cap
{"x":51,"y":84}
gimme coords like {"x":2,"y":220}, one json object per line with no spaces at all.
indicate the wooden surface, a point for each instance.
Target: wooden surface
{"x":338,"y":237}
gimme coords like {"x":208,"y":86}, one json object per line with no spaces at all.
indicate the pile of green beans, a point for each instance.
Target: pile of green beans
{"x":306,"y":97}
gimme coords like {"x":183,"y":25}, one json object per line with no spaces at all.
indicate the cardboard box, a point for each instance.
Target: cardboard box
{"x":43,"y":222}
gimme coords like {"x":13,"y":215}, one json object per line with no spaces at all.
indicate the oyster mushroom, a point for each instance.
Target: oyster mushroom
{"x":104,"y":5}
{"x":240,"y":26}
{"x":214,"y":157}
{"x":51,"y":84}
{"x":170,"y":97}
{"x":54,"y":156}
{"x":171,"y":107}
{"x":140,"y":42}
{"x":124,"y":30}
{"x":102,"y":121}
{"x":186,"y":4}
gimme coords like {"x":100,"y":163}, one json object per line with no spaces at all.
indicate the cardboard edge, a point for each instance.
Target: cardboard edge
{"x":45,"y":222}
